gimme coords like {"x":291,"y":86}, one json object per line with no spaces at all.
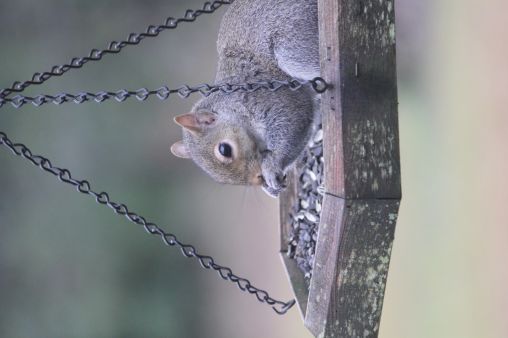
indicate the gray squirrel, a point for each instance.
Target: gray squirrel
{"x":252,"y":138}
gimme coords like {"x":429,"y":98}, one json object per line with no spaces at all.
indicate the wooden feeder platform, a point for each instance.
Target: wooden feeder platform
{"x":362,"y":173}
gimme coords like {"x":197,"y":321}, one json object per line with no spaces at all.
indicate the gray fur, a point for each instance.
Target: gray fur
{"x":261,"y":40}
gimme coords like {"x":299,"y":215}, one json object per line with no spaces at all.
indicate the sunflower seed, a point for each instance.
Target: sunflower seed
{"x":305,"y":213}
{"x":319,"y":136}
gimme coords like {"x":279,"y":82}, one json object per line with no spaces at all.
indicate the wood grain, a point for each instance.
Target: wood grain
{"x":361,"y":144}
{"x":362,"y":171}
{"x":351,"y":267}
{"x":287,"y":199}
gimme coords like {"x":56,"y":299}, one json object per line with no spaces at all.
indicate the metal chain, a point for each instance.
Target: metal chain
{"x":114,"y":47}
{"x":189,"y":251}
{"x":83,"y":186}
{"x":163,"y":93}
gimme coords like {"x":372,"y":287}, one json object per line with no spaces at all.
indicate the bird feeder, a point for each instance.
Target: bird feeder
{"x":357,"y":197}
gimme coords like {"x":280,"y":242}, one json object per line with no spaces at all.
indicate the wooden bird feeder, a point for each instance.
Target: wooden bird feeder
{"x":361,"y":175}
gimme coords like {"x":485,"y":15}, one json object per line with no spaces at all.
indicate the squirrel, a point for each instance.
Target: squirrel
{"x":253,"y":138}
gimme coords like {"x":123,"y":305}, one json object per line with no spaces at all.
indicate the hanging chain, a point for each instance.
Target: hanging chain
{"x":83,"y":186}
{"x":115,"y":47}
{"x":189,"y":251}
{"x":163,"y":93}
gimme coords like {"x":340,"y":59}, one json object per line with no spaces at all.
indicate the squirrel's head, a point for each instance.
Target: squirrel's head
{"x":220,"y":146}
{"x":246,"y":138}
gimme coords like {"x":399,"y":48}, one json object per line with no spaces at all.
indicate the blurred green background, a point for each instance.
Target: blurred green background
{"x":69,"y":268}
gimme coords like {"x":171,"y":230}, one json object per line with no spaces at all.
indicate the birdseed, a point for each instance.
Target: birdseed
{"x":305,"y":214}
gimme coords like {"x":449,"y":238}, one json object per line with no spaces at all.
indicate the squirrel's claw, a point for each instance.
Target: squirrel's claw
{"x":274,"y":183}
{"x":272,"y":192}
{"x":273,"y":175}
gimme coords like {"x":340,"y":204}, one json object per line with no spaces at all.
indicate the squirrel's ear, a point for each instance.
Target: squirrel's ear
{"x":180,"y":150}
{"x":195,"y":122}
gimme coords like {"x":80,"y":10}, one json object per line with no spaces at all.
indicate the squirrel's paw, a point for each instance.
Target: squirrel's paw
{"x":271,"y":191}
{"x":274,"y":179}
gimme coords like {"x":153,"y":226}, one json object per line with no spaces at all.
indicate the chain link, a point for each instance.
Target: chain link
{"x":189,"y":251}
{"x":115,"y":47}
{"x":83,"y":186}
{"x":163,"y":93}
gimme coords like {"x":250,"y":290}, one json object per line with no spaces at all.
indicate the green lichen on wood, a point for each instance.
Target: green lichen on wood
{"x":362,"y":273}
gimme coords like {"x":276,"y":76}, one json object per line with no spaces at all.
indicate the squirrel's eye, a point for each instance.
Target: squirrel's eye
{"x":225,"y":150}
